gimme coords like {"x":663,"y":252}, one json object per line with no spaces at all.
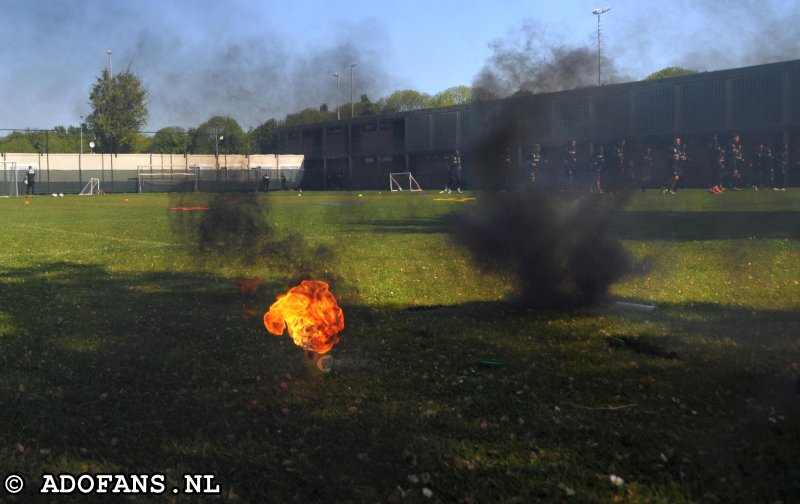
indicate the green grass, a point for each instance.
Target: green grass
{"x":122,"y":351}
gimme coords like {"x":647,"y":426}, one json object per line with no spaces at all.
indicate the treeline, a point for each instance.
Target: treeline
{"x":220,"y":134}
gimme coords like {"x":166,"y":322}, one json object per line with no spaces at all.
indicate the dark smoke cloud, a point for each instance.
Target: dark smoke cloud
{"x":561,"y":252}
{"x":259,"y":77}
{"x":561,"y":249}
{"x":530,"y":61}
{"x":208,"y":58}
{"x":235,"y":230}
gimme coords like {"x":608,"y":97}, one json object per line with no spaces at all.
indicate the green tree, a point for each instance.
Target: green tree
{"x":170,"y":140}
{"x":456,"y":95}
{"x":309,"y":116}
{"x":673,"y":71}
{"x":219,"y":134}
{"x":119,"y":110}
{"x":364,"y":107}
{"x":407,"y":100}
{"x":265,"y":138}
{"x":16,"y":141}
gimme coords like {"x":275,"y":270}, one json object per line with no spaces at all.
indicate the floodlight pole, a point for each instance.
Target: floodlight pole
{"x":336,"y":74}
{"x":217,"y":138}
{"x":598,"y":12}
{"x":110,"y":68}
{"x":352,"y":66}
{"x":80,"y":156}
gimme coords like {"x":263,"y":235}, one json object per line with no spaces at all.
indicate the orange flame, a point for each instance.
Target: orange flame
{"x":311,"y":314}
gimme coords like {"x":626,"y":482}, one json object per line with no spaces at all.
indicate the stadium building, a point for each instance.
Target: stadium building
{"x":761,"y":103}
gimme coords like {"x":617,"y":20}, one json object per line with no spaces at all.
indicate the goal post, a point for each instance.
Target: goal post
{"x":93,"y":187}
{"x":403,"y":181}
{"x":10,"y":180}
{"x":172,"y":178}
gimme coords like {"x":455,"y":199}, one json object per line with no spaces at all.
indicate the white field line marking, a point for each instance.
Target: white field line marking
{"x":95,"y":235}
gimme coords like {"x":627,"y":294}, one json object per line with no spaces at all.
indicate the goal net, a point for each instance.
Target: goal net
{"x":11,"y":179}
{"x":169,"y":178}
{"x":403,"y":181}
{"x":93,"y":187}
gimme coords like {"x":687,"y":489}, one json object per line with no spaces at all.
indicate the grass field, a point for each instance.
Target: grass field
{"x":123,"y":351}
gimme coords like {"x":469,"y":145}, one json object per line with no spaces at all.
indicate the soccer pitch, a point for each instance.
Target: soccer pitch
{"x":126,"y":348}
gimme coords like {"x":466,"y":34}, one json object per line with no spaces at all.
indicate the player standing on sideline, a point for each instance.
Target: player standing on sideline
{"x":616,"y":182}
{"x":782,"y":171}
{"x":31,"y":178}
{"x":645,"y":168}
{"x":734,"y":161}
{"x":535,"y":165}
{"x":571,"y":163}
{"x":716,"y":160}
{"x":794,"y":178}
{"x":454,"y":178}
{"x":507,"y":171}
{"x":597,"y":166}
{"x":676,"y":159}
{"x":283,"y":182}
{"x":769,"y":167}
{"x":759,"y":164}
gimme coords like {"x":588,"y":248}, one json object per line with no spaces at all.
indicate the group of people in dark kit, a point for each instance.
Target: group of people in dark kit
{"x":765,"y":169}
{"x":265,"y":181}
{"x":621,"y":168}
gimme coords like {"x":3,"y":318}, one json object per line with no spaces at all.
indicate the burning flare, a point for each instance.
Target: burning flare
{"x":311,"y":314}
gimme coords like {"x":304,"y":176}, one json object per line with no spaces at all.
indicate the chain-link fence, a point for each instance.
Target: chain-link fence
{"x":69,"y":173}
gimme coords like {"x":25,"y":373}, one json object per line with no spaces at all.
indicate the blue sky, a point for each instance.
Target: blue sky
{"x":254,"y":60}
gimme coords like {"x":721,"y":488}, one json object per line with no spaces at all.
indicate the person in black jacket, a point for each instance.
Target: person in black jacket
{"x":31,"y":181}
{"x":676,"y":158}
{"x":570,"y":160}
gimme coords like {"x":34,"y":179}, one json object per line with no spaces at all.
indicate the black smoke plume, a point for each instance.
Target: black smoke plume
{"x":561,"y":249}
{"x":528,"y":62}
{"x":561,"y":252}
{"x":233,"y":229}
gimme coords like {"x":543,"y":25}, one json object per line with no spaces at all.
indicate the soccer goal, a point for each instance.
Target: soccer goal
{"x":93,"y":187}
{"x":10,"y":179}
{"x":167,"y":178}
{"x":403,"y":181}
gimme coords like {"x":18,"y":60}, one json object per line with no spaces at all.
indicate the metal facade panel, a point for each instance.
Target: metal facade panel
{"x":572,"y":119}
{"x":794,"y":96}
{"x":655,"y":110}
{"x":757,"y":100}
{"x":703,"y":106}
{"x":444,"y":130}
{"x":418,"y":132}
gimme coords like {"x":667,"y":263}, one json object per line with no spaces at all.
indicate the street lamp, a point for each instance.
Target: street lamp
{"x":110,"y":68}
{"x":80,"y":156}
{"x":336,"y":74}
{"x":352,"y":66}
{"x":217,"y":139}
{"x":598,"y":12}
{"x":81,"y":136}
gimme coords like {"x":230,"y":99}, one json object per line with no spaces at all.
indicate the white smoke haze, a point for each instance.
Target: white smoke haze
{"x":194,"y":67}
{"x":205,"y":58}
{"x":717,"y":35}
